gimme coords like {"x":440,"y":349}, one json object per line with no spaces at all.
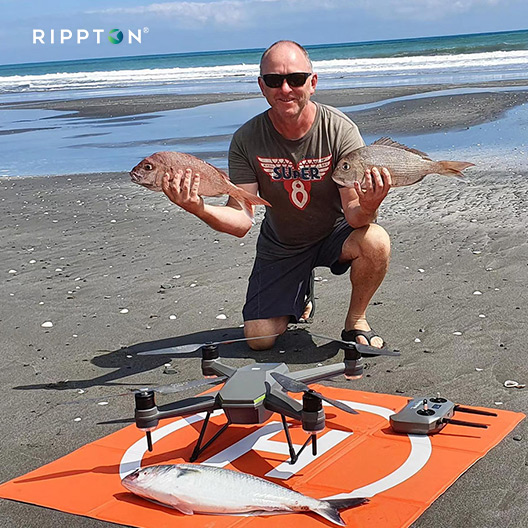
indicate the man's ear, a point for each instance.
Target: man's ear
{"x":313,"y":82}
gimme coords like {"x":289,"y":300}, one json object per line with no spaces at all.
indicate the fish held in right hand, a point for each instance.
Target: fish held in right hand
{"x":213,"y":182}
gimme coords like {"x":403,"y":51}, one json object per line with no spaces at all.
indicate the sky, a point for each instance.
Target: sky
{"x":202,"y":25}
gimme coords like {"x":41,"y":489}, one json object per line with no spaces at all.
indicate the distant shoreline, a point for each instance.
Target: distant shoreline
{"x":130,"y":105}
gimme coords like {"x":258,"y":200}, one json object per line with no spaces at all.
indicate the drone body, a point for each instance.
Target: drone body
{"x":251,"y":395}
{"x":243,"y":397}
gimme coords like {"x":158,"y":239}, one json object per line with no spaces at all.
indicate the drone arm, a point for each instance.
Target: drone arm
{"x":280,"y":402}
{"x":214,"y":367}
{"x":317,"y":374}
{"x":189,"y":406}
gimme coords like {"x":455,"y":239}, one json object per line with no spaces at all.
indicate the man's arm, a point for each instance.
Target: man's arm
{"x":182,"y":189}
{"x":360,"y":205}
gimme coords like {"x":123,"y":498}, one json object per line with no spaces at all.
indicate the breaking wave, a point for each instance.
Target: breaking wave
{"x":476,"y":66}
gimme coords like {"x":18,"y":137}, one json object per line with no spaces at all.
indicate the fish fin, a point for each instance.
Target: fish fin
{"x":329,"y":508}
{"x":183,"y":508}
{"x":190,"y":468}
{"x":345,"y":504}
{"x":388,"y":142}
{"x":452,"y":168}
{"x":330,"y":513}
{"x":246,"y":198}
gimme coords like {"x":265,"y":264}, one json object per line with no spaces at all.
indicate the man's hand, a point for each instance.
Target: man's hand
{"x":182,"y":189}
{"x":376,"y":185}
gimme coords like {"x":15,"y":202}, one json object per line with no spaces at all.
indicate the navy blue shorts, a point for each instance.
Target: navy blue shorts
{"x":278,"y":287}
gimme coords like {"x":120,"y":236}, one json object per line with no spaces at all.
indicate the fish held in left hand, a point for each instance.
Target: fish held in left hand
{"x":406,"y":165}
{"x":213,"y":182}
{"x":196,"y":488}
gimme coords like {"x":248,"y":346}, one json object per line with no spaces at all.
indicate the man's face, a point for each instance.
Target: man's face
{"x":287,"y":101}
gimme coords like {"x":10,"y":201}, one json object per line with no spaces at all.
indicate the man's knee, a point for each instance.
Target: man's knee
{"x":262,"y":344}
{"x":371,"y":242}
{"x":377,"y":242}
{"x":265,"y":330}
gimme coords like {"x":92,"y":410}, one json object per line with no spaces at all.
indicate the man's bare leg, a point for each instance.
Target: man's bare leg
{"x":265,"y":327}
{"x":368,"y":250}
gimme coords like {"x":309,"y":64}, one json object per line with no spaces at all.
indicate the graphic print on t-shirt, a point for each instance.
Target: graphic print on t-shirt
{"x":297,"y":179}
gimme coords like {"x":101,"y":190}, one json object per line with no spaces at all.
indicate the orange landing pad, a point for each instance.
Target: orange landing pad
{"x":358,"y":455}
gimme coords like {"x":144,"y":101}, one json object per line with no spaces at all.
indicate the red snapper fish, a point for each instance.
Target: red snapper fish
{"x":406,"y":165}
{"x":213,"y":181}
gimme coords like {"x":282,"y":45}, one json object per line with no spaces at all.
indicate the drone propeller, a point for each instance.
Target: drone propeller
{"x":175,"y":405}
{"x":160,"y":389}
{"x":360,"y":347}
{"x":292,"y":385}
{"x":179,"y":387}
{"x":193,"y":347}
{"x":118,"y":421}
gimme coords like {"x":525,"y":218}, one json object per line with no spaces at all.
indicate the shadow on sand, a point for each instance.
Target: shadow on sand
{"x":296,"y":346}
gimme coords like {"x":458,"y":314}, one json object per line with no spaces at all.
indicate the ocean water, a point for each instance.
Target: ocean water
{"x":456,"y":58}
{"x":75,"y":145}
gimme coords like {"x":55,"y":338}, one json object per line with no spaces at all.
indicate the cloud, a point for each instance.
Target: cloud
{"x":223,"y":12}
{"x":238,"y":13}
{"x":426,"y":9}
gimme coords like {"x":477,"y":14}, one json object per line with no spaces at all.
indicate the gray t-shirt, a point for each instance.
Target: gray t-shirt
{"x":295,"y":177}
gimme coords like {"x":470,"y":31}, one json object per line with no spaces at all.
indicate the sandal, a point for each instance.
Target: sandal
{"x":351,"y":335}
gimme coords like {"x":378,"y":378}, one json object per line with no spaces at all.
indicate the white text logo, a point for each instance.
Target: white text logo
{"x":77,"y":36}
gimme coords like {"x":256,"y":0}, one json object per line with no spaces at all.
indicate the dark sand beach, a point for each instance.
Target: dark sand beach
{"x":117,"y":269}
{"x":119,"y":106}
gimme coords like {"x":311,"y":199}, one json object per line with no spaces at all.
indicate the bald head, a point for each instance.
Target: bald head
{"x":284,"y":50}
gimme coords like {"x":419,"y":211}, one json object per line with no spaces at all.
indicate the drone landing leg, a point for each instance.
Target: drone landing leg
{"x":198,"y":450}
{"x":293,"y":455}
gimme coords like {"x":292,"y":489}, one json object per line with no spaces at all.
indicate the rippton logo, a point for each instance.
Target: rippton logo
{"x":78,"y":36}
{"x":116,"y":36}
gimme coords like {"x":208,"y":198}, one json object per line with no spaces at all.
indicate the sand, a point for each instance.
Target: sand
{"x":79,"y":251}
{"x":482,"y":108}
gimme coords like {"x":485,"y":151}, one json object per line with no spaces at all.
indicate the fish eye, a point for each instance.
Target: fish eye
{"x":346,"y":166}
{"x":148,"y":166}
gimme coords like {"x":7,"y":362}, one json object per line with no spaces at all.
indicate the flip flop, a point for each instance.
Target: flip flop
{"x":351,"y":335}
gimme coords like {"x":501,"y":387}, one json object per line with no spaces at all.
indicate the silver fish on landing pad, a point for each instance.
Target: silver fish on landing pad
{"x":406,"y":165}
{"x":213,"y":182}
{"x":195,"y":488}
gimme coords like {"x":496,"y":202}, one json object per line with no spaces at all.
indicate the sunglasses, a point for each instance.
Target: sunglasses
{"x":294,"y":80}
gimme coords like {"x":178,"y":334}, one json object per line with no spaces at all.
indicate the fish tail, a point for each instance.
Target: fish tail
{"x":246,"y":198}
{"x":329,"y":509}
{"x":452,"y":168}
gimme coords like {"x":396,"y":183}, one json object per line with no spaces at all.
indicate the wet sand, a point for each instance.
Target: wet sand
{"x":445,"y":112}
{"x":117,"y":269}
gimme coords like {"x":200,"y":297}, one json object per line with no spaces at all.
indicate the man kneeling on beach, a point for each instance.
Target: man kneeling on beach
{"x":287,"y":155}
